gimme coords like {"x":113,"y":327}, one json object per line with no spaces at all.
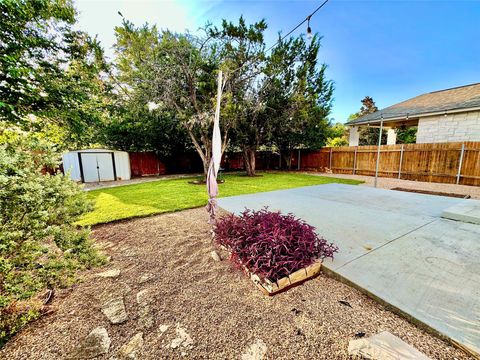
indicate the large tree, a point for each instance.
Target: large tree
{"x":242,"y":50}
{"x":304,"y":96}
{"x":52,"y":78}
{"x":171,"y":73}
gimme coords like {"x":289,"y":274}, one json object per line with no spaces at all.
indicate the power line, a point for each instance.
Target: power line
{"x":307,"y":19}
{"x":296,"y":27}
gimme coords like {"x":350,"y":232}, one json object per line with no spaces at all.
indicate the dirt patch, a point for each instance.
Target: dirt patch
{"x":205,"y":308}
{"x":438,"y":193}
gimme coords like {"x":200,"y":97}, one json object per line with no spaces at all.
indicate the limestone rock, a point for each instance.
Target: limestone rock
{"x":130,"y":349}
{"x":145,"y":278}
{"x":183,"y":339}
{"x":145,"y":317}
{"x":112,"y":273}
{"x":96,"y":343}
{"x":384,"y":346}
{"x":146,"y":320}
{"x":114,"y":310}
{"x":143,"y":297}
{"x":215,"y":256}
{"x":256,"y":351}
{"x":163,"y":328}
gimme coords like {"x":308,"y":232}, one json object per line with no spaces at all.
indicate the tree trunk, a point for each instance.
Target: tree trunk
{"x":288,"y":159}
{"x":249,"y":160}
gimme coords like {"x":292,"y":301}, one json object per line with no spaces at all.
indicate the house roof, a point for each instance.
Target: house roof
{"x":457,"y":98}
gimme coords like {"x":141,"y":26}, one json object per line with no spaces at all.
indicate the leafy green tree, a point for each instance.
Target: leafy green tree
{"x":242,"y":50}
{"x":50,"y":75}
{"x":337,"y":135}
{"x":40,"y":246}
{"x":174,"y":73}
{"x":304,"y":97}
{"x":406,"y":135}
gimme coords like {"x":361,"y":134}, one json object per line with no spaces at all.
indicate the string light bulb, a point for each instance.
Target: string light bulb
{"x":309,"y":29}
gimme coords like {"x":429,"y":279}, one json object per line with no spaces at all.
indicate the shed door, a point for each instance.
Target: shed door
{"x":97,"y":167}
{"x":105,"y":167}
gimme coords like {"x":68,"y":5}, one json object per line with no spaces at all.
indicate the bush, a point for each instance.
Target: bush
{"x":40,"y":247}
{"x":270,"y":244}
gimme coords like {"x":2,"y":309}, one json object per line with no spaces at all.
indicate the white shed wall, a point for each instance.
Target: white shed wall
{"x":122,"y":164}
{"x":72,"y":165}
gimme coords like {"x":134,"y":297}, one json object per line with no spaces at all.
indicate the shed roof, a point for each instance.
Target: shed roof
{"x":457,"y":98}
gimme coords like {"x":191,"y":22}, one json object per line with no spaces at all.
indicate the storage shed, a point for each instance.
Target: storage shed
{"x":95,"y":165}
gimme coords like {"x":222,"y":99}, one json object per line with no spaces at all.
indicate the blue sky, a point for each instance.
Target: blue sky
{"x":390,"y":50}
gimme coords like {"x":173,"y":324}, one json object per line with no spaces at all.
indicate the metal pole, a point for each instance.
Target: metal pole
{"x":460,"y":163}
{"x":355,"y":160}
{"x":400,"y":165}
{"x":298,"y":160}
{"x":330,"y":160}
{"x":378,"y":151}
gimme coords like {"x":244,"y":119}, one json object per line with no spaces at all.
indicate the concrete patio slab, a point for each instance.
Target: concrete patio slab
{"x":467,"y":211}
{"x":395,"y":246}
{"x":432,"y":274}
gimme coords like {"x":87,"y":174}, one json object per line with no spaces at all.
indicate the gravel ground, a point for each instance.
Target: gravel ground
{"x":206,"y":307}
{"x":389,"y":183}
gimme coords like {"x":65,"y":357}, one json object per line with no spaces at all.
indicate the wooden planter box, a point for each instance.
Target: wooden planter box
{"x":285,"y":283}
{"x":294,"y":279}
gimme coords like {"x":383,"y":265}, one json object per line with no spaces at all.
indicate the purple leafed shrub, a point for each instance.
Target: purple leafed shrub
{"x":270,"y":244}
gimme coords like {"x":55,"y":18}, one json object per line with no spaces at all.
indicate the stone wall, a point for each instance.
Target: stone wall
{"x":450,"y":128}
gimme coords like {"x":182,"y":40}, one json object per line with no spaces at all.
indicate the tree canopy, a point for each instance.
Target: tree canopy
{"x":159,"y":92}
{"x":52,"y":77}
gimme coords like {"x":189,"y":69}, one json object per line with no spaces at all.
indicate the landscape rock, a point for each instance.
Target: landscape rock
{"x":145,"y":317}
{"x":256,"y":351}
{"x":130,"y":349}
{"x":145,"y":277}
{"x":143,"y":297}
{"x":96,"y":343}
{"x":384,"y":346}
{"x":215,"y":256}
{"x":146,"y":320}
{"x":114,"y":310}
{"x":112,"y":273}
{"x":163,"y":328}
{"x":183,"y":339}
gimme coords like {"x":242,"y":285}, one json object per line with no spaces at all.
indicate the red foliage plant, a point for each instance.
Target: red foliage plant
{"x":271,"y":244}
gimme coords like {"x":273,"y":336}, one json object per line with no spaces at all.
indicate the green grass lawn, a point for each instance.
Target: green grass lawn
{"x":162,"y":196}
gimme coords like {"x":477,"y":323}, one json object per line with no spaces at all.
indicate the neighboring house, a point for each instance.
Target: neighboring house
{"x":441,"y":116}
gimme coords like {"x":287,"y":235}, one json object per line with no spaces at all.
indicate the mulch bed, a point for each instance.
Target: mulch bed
{"x":168,"y":258}
{"x":462,"y":196}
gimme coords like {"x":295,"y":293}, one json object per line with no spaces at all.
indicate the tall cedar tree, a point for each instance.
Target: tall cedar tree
{"x":302,"y":97}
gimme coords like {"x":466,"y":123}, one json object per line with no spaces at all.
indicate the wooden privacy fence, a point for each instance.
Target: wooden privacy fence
{"x":456,"y":163}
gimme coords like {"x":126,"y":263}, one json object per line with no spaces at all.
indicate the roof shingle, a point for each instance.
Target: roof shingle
{"x":462,"y":97}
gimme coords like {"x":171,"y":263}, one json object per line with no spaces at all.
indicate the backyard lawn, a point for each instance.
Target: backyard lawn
{"x":162,"y":196}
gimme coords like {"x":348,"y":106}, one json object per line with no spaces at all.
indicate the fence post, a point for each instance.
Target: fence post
{"x":460,"y":163}
{"x":330,"y":160}
{"x":298,"y":160}
{"x":378,"y":151}
{"x":400,"y":165}
{"x":355,"y":160}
